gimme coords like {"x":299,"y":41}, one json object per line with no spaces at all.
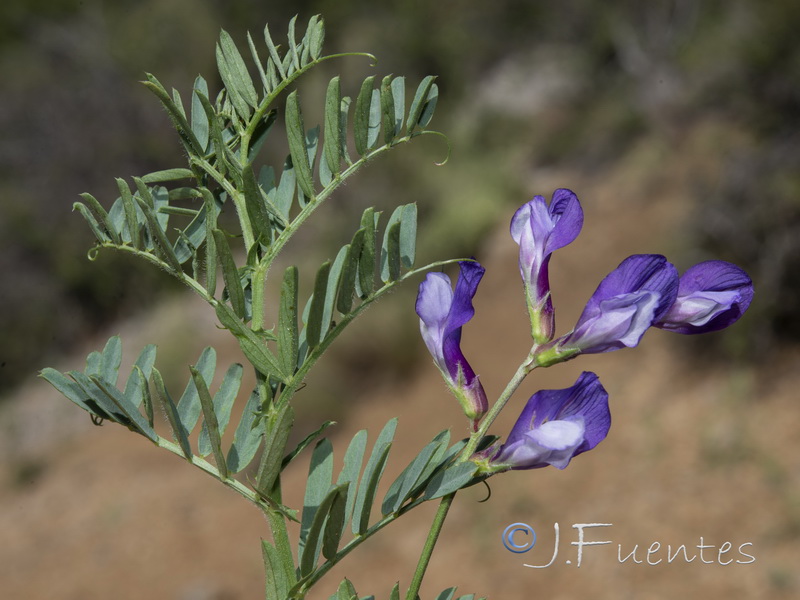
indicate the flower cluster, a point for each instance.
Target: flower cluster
{"x":644,"y":291}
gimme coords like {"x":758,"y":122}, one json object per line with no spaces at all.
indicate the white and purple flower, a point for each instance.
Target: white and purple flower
{"x":644,"y":291}
{"x":555,"y":426}
{"x":539,"y":230}
{"x":627,"y":302}
{"x":711,"y":295}
{"x":442,"y":314}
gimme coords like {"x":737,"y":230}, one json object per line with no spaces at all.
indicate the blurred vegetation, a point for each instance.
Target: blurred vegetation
{"x":525,"y":85}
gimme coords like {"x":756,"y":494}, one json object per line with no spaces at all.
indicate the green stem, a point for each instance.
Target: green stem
{"x":179,"y":275}
{"x":276,"y":520}
{"x":261,"y":270}
{"x":236,"y":197}
{"x":259,"y":283}
{"x":316,"y":575}
{"x":246,"y":136}
{"x":263,"y":107}
{"x":313,"y":203}
{"x":277,"y":526}
{"x":522,"y":372}
{"x":430,"y":543}
{"x":438,"y":522}
{"x":210,"y":469}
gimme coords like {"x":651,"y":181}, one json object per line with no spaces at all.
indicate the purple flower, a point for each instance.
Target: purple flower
{"x":442,"y":313}
{"x":626,"y":303}
{"x":711,"y":296}
{"x":539,"y":230}
{"x":555,"y":426}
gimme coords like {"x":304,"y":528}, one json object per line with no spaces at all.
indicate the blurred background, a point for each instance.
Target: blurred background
{"x":675,"y":122}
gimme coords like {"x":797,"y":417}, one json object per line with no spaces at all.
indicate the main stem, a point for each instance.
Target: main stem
{"x":444,"y":506}
{"x":427,"y":550}
{"x":521,"y":373}
{"x":277,"y":526}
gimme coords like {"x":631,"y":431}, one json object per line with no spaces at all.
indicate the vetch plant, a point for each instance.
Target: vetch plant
{"x":171,"y":218}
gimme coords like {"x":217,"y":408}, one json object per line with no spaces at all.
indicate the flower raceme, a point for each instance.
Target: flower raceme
{"x":539,"y":230}
{"x":553,"y":428}
{"x":443,"y":312}
{"x":645,"y":290}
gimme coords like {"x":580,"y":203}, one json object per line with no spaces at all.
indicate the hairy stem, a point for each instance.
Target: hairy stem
{"x":430,"y":543}
{"x":314,"y":203}
{"x":521,"y":373}
{"x":277,"y":526}
{"x":236,"y":197}
{"x":263,"y":107}
{"x":317,"y":574}
{"x":444,"y":506}
{"x":179,"y":275}
{"x":207,"y":467}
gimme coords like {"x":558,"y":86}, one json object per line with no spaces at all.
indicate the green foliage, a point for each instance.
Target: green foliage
{"x":173,"y":219}
{"x":221,"y":139}
{"x":95,"y":390}
{"x":331,"y":504}
{"x":346,"y":591}
{"x":281,"y":577}
{"x":450,"y":594}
